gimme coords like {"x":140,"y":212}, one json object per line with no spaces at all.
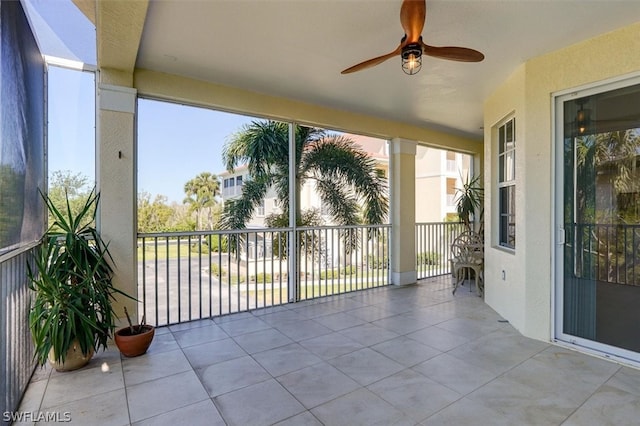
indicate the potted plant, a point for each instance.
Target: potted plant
{"x":71,"y":316}
{"x":469,"y":200}
{"x":134,"y":340}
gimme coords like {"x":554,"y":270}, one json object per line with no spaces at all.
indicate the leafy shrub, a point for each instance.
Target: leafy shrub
{"x":348,"y":270}
{"x":428,"y":258}
{"x":329,"y":274}
{"x":215,"y":270}
{"x":377,"y":262}
{"x":219,"y":243}
{"x":261,"y":277}
{"x":201,"y":247}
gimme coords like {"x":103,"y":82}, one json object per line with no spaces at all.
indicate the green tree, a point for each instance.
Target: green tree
{"x":345,"y":177}
{"x":201,"y":194}
{"x":154,"y":215}
{"x":65,"y":186}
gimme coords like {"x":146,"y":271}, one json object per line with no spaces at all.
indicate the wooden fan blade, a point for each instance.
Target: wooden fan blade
{"x":412,"y":16}
{"x":452,"y":53}
{"x":372,"y":62}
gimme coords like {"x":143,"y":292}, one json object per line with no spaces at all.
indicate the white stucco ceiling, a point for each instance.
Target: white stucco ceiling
{"x":297,"y":48}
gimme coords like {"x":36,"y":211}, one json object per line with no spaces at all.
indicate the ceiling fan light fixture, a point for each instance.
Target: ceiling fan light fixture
{"x":412,"y":58}
{"x":583,"y":119}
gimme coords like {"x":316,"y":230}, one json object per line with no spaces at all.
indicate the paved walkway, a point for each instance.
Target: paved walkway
{"x":392,"y":356}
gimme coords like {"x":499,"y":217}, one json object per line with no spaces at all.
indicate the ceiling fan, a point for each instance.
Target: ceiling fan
{"x":411,"y":48}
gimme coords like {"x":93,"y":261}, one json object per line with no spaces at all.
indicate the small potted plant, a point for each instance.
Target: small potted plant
{"x":134,"y":340}
{"x":71,"y":315}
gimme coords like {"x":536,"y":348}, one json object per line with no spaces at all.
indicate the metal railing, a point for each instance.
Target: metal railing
{"x":340,"y":259}
{"x":16,"y":349}
{"x":192,"y":275}
{"x":433,"y":247}
{"x":606,"y":253}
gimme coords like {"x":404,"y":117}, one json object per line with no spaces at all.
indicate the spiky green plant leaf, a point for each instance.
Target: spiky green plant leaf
{"x":71,"y":278}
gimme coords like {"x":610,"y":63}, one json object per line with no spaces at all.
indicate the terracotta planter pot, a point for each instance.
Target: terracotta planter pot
{"x":136,"y":344}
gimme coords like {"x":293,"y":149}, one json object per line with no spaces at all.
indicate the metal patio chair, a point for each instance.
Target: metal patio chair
{"x":467,"y":252}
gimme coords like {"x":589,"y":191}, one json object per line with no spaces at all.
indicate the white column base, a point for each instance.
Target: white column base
{"x":403,"y":278}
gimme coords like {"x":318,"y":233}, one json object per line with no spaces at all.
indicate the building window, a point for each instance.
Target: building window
{"x":260,"y":209}
{"x":507,"y":184}
{"x":239,"y":180}
{"x":451,"y":161}
{"x":451,"y":192}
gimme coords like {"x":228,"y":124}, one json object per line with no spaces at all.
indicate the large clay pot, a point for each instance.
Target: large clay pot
{"x":134,"y":344}
{"x":74,"y":359}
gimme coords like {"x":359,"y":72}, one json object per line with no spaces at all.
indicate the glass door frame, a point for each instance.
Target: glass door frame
{"x":558,"y":233}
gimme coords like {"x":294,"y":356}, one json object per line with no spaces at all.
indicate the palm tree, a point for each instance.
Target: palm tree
{"x":344,"y":176}
{"x":201,"y":192}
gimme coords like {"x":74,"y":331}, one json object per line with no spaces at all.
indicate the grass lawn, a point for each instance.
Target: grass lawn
{"x":169,"y":251}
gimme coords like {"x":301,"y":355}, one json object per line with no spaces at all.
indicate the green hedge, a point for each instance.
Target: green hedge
{"x":428,"y":258}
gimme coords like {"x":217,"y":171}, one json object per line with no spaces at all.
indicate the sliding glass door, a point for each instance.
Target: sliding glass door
{"x":598,"y":216}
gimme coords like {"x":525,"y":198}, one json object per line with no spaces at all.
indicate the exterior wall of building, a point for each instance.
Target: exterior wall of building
{"x":438,"y":174}
{"x":525,"y":297}
{"x":506,"y":296}
{"x":231,"y":187}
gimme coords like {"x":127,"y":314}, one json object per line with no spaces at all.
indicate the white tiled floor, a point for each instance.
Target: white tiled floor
{"x":412,"y":355}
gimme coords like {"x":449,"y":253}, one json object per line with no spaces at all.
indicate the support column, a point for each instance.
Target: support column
{"x":403,"y":211}
{"x":115,"y":165}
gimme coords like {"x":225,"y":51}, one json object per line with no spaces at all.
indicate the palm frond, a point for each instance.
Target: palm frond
{"x":469,"y":199}
{"x":341,"y":203}
{"x":260,"y":145}
{"x":338,"y":159}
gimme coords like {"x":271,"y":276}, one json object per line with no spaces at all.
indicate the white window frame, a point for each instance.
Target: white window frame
{"x":506,"y":174}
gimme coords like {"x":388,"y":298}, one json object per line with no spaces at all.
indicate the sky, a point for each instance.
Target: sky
{"x":178,"y":142}
{"x":71,"y":124}
{"x":175,"y":142}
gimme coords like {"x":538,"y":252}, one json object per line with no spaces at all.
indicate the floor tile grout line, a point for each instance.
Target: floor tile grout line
{"x":466,"y":306}
{"x":593,"y":393}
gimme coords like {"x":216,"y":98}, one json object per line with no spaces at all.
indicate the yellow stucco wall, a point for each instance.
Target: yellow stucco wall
{"x":525,"y":296}
{"x":181,"y":89}
{"x":506,"y":296}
